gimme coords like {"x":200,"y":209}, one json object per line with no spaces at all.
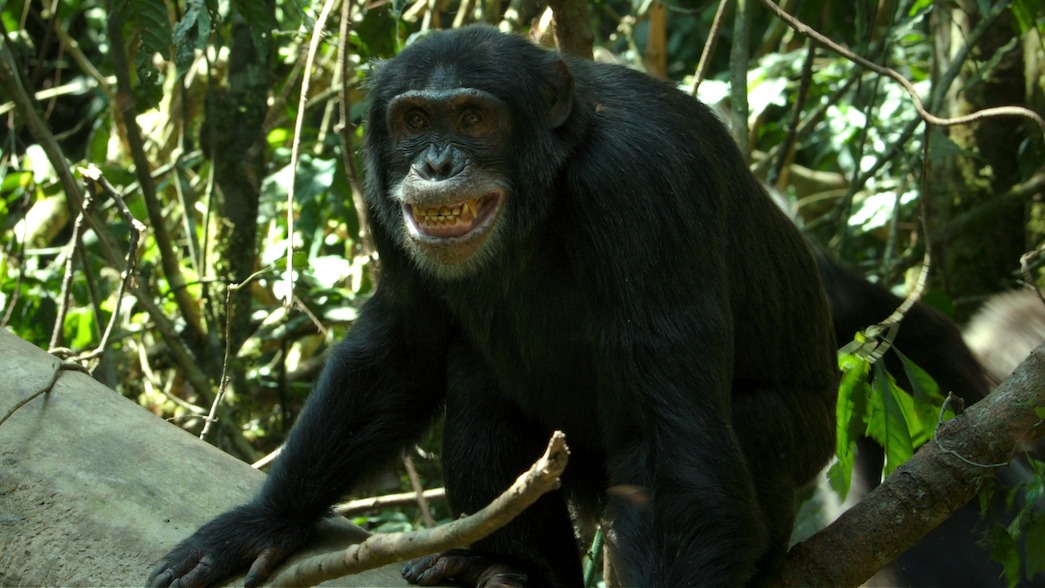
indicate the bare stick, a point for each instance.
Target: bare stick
{"x":419,"y":491}
{"x":363,"y":505}
{"x":347,"y":129}
{"x":96,"y":179}
{"x":313,"y":47}
{"x":379,"y":550}
{"x":57,"y":367}
{"x":709,"y":46}
{"x":67,"y":278}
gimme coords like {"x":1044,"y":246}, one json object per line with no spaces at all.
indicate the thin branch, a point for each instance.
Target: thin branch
{"x":67,"y":278}
{"x":378,"y":550}
{"x":808,"y":124}
{"x":805,"y":81}
{"x":271,"y":457}
{"x":1016,"y":196}
{"x":70,"y":45}
{"x":57,"y":370}
{"x":807,"y":31}
{"x":419,"y":492}
{"x":295,"y":150}
{"x":738,"y":57}
{"x":364,"y":505}
{"x":347,"y":130}
{"x":137,"y":229}
{"x":709,"y":46}
{"x":74,"y":192}
{"x":223,"y":384}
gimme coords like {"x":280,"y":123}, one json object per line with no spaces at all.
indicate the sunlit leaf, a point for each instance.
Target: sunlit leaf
{"x":893,"y":430}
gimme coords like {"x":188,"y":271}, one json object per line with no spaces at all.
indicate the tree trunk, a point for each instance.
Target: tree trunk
{"x":982,"y":258}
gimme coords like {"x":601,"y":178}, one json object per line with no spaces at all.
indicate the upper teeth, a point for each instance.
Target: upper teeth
{"x":463,"y":211}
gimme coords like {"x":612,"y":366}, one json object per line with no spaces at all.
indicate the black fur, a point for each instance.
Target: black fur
{"x":641,"y":294}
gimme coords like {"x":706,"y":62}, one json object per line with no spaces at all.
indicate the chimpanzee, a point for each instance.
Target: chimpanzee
{"x":564,"y":245}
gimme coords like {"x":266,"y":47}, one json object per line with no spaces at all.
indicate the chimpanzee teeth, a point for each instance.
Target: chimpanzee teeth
{"x":463,"y":212}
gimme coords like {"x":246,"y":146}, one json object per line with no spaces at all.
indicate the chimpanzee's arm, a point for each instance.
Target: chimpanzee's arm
{"x":380,"y":388}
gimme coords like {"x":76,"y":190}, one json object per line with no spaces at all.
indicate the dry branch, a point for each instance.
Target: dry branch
{"x":375,"y":503}
{"x":378,"y":550}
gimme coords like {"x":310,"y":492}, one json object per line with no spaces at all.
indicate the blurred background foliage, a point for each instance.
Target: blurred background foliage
{"x":189,"y":109}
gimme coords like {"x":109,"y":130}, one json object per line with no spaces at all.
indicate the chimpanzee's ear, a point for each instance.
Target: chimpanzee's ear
{"x":558,"y":92}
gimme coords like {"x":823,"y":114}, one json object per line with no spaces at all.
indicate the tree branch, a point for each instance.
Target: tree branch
{"x":942,"y":477}
{"x":378,"y":550}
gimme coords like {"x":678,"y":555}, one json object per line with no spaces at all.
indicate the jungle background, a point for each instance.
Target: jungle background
{"x":213,"y":143}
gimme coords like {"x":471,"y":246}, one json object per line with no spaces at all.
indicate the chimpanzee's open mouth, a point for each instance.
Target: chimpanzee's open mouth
{"x":451,"y":221}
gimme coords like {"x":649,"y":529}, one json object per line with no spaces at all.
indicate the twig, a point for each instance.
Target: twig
{"x":807,"y":31}
{"x":58,"y":368}
{"x":949,"y":402}
{"x":378,"y":550}
{"x":738,"y":56}
{"x":226,"y":361}
{"x":96,"y":180}
{"x":74,"y":193}
{"x":67,"y":277}
{"x":419,"y":491}
{"x":295,"y":148}
{"x":1015,"y":196}
{"x":709,"y":46}
{"x":271,"y":457}
{"x":223,"y":384}
{"x":70,"y":45}
{"x":891,"y":324}
{"x":362,"y":505}
{"x":786,"y":148}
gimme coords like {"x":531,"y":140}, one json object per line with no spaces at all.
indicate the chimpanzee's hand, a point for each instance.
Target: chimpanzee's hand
{"x":464,"y":567}
{"x":248,"y":536}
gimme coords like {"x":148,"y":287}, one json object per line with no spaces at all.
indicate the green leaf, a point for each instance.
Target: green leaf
{"x":942,"y":148}
{"x":79,"y":328}
{"x":927,"y":397}
{"x":148,"y":18}
{"x":919,"y":6}
{"x":1004,"y":551}
{"x":299,"y":260}
{"x":852,"y":398}
{"x":191,"y":33}
{"x":1026,"y":14}
{"x":894,"y":433}
{"x":840,"y":475}
{"x":850,"y":411}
